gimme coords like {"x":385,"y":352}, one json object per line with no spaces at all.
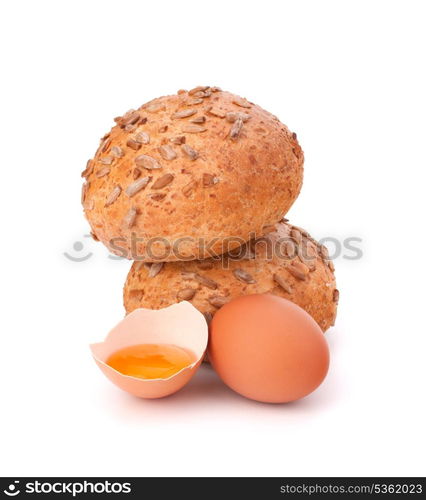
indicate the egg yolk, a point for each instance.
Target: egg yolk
{"x":149,"y":361}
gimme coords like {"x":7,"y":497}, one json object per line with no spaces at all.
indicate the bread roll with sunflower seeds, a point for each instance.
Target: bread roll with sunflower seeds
{"x":189,"y":176}
{"x":287,"y":262}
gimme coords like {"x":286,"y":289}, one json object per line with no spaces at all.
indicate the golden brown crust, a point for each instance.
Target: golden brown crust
{"x":202,"y":164}
{"x":286,"y":262}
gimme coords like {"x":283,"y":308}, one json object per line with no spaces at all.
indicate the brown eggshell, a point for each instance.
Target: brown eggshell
{"x":268,"y":349}
{"x":180,"y":324}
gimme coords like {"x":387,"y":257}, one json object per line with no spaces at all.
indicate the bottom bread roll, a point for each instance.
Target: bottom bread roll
{"x":286,"y":262}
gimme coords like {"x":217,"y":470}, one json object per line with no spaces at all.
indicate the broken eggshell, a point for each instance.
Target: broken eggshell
{"x":179,"y":324}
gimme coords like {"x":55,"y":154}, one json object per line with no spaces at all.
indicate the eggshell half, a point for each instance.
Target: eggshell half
{"x":179,"y":324}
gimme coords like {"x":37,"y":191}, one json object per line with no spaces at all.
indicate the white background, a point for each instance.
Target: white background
{"x":349,"y":78}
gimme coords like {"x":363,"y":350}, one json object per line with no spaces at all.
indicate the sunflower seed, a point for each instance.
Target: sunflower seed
{"x":180,"y":139}
{"x":93,"y":235}
{"x":215,"y":89}
{"x":202,"y":94}
{"x":193,"y":129}
{"x":142,"y":138}
{"x":191,"y":153}
{"x":138,"y":266}
{"x":154,"y":107}
{"x":129,"y":118}
{"x":216,"y":112}
{"x":130,"y":127}
{"x":136,"y":173}
{"x":243,"y":253}
{"x":282,"y":283}
{"x":154,"y":269}
{"x":88,"y":170}
{"x":117,"y":152}
{"x":291,"y":249}
{"x":136,"y":186}
{"x":199,"y":119}
{"x":84,"y":189}
{"x":103,"y":172}
{"x":210,"y":180}
{"x":194,"y":102}
{"x":200,"y":88}
{"x":204,"y":280}
{"x":208,"y":282}
{"x":105,"y":145}
{"x":187,"y":190}
{"x":234,"y":133}
{"x":241,"y":102}
{"x":323,"y":251}
{"x":311,"y":249}
{"x":336,"y":295}
{"x":184,"y":113}
{"x":187,"y":275}
{"x":158,"y":196}
{"x":309,"y":261}
{"x":107,"y":160}
{"x":298,"y":270}
{"x":296,"y":235}
{"x":130,"y":218}
{"x":244,"y":276}
{"x":147,"y":162}
{"x":167,"y":152}
{"x":131,"y":143}
{"x":115,"y":193}
{"x":232,"y":117}
{"x":331,"y":266}
{"x":132,"y":118}
{"x":268,"y":229}
{"x":163,"y":181}
{"x":302,"y":231}
{"x":218,"y":300}
{"x":186,"y":294}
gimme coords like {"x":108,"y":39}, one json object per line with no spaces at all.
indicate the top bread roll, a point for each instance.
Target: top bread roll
{"x":189,"y":176}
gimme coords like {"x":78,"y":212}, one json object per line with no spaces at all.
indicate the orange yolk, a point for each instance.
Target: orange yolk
{"x":149,"y":361}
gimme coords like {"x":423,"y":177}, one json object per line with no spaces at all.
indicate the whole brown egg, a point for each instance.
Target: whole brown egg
{"x":268,"y":349}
